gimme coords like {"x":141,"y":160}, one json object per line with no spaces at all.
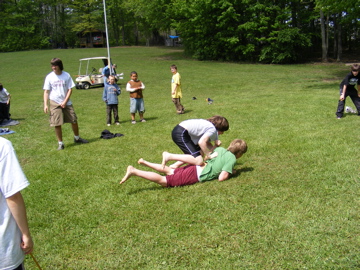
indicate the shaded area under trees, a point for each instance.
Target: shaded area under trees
{"x":232,"y":30}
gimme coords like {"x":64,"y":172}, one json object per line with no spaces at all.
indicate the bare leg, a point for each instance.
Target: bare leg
{"x":132,"y":116}
{"x":58,"y":133}
{"x":75,"y":128}
{"x":185,"y":158}
{"x":177,"y":164}
{"x":155,"y":166}
{"x":151,"y":176}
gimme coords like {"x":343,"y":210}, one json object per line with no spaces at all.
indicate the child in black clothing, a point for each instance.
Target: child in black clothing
{"x":350,"y":87}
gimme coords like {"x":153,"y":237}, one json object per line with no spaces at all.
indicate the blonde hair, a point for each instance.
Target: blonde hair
{"x":237,"y":147}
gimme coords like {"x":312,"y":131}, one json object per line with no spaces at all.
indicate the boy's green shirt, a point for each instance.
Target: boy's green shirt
{"x":225,"y":161}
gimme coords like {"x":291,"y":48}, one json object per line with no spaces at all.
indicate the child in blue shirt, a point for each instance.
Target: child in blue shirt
{"x":110,"y":96}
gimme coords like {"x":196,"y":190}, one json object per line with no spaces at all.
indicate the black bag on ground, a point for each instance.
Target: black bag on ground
{"x":106,"y":134}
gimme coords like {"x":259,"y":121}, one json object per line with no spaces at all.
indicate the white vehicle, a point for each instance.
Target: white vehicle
{"x":90,"y":72}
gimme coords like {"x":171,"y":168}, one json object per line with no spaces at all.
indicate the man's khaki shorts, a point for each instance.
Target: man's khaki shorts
{"x":59,"y":116}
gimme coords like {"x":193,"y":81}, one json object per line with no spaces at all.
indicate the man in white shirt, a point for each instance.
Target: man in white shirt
{"x":58,"y":89}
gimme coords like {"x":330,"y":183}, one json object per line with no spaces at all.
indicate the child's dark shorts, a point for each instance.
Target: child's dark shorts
{"x":183,"y":176}
{"x":182,"y":139}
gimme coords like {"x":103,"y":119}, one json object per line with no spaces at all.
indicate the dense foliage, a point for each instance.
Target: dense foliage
{"x":236,"y":30}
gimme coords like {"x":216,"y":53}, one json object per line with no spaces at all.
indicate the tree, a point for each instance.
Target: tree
{"x":342,"y":15}
{"x":241,"y":30}
{"x":19,"y":26}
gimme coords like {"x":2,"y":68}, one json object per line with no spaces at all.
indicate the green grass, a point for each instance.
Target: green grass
{"x":293,"y":205}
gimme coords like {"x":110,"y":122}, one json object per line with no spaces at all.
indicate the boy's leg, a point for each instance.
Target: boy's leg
{"x":356,"y":101}
{"x":133,"y":109}
{"x":177,"y":104}
{"x":181,"y":106}
{"x":108,"y":114}
{"x":340,"y":108}
{"x":132,"y":116}
{"x":155,"y":166}
{"x":75,"y":128}
{"x":151,"y":176}
{"x":116,"y":114}
{"x":185,"y":158}
{"x":177,"y":164}
{"x":58,"y":133}
{"x":2,"y":111}
{"x":141,"y":108}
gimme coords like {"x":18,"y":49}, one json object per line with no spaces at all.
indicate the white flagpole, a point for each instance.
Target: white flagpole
{"x":107,"y":39}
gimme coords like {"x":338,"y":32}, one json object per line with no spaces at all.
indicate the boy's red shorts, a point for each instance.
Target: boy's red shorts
{"x":183,"y":176}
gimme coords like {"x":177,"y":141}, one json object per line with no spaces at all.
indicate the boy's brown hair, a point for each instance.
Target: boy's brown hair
{"x":57,"y":62}
{"x":238,"y":147}
{"x":220,"y":123}
{"x":355,"y":67}
{"x":173,"y":66}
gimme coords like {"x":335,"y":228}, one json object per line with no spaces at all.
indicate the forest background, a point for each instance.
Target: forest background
{"x":264,"y":31}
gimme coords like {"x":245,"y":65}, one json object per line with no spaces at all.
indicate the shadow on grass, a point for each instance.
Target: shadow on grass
{"x":134,"y":192}
{"x":80,"y":144}
{"x":243,"y":170}
{"x":334,"y":86}
{"x":349,"y":115}
{"x":148,"y":119}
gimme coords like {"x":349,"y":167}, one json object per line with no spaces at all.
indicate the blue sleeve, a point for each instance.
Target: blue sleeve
{"x":104,"y":97}
{"x":118,"y":92}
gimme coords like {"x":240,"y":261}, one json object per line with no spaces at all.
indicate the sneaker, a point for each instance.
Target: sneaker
{"x":61,"y":147}
{"x":80,"y":140}
{"x":133,"y":122}
{"x":142,"y":120}
{"x":338,"y":117}
{"x":117,"y":123}
{"x":108,"y":125}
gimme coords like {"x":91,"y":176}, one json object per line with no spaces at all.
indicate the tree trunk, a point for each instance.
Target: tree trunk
{"x":339,"y":47}
{"x":323,"y":38}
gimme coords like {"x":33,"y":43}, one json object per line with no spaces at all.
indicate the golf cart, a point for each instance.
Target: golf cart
{"x":90,"y":76}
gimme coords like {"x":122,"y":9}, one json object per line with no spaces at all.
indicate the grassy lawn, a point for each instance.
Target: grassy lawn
{"x":293,"y":205}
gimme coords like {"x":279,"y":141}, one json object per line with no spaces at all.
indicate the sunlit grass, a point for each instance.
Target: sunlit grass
{"x":294,"y":203}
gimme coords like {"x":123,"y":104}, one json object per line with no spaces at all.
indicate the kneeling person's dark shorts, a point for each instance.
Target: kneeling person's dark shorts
{"x":182,"y":139}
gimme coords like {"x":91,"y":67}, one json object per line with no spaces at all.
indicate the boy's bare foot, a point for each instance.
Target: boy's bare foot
{"x":128,"y":174}
{"x":141,"y":161}
{"x":165,"y":159}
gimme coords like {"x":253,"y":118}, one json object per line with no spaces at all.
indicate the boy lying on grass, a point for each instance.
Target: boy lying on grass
{"x":220,"y":167}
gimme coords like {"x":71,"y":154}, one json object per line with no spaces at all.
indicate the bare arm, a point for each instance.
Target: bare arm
{"x":342,"y":96}
{"x":205,"y":146}
{"x":17,"y":208}
{"x":224,"y":176}
{"x":46,"y":98}
{"x":209,"y":148}
{"x":8,"y":101}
